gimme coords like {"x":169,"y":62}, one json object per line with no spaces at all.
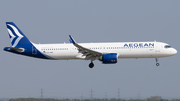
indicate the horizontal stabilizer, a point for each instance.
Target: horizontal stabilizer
{"x":15,"y":49}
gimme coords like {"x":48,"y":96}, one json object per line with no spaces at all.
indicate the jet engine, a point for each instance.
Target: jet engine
{"x":109,"y":58}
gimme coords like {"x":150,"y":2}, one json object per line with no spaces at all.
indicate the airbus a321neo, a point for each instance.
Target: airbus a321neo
{"x":107,"y":52}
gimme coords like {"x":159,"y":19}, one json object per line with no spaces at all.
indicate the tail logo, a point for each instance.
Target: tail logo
{"x":14,"y":34}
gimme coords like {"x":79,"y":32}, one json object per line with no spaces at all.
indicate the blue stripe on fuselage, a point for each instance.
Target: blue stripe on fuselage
{"x":28,"y":51}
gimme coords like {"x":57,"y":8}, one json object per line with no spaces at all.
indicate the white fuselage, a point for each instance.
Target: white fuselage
{"x":123,"y":49}
{"x":107,"y":52}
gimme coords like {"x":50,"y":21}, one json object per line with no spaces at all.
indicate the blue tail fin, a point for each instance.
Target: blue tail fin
{"x":21,"y":44}
{"x":17,"y":37}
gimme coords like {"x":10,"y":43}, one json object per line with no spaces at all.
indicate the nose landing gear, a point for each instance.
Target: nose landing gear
{"x":157,"y":64}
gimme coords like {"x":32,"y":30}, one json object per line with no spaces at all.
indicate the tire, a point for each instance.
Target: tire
{"x":91,"y":65}
{"x":157,"y":64}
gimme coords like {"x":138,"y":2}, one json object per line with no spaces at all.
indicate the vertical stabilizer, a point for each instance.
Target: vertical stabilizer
{"x":21,"y":44}
{"x":17,"y":37}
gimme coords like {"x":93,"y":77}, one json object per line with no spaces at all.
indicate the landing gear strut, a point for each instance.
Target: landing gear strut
{"x":91,"y":65}
{"x":157,"y":64}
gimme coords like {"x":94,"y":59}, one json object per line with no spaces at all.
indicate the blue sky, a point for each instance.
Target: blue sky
{"x":45,"y":21}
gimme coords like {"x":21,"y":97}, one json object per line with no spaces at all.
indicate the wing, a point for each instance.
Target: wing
{"x":85,"y":51}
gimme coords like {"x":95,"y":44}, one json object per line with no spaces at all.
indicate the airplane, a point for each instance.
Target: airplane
{"x":108,"y":52}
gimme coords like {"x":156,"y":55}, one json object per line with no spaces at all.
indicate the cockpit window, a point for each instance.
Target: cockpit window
{"x":167,"y":46}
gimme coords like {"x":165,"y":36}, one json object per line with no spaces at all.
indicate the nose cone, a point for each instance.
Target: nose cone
{"x":174,"y":51}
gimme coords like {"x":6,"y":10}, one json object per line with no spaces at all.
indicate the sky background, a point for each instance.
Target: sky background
{"x":51,"y":21}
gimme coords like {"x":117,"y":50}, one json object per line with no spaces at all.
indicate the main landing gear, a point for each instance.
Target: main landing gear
{"x":157,"y":64}
{"x":91,"y":65}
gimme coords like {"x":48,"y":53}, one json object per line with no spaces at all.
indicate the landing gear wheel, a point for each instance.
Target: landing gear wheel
{"x":157,"y":64}
{"x":91,"y":65}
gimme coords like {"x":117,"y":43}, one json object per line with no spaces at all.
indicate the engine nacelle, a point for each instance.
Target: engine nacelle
{"x":109,"y":58}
